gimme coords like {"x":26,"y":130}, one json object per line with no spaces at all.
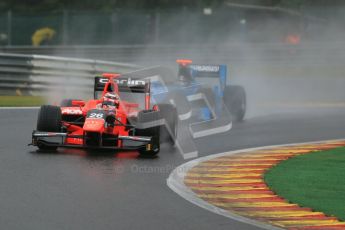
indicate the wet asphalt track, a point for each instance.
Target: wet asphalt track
{"x":74,"y":190}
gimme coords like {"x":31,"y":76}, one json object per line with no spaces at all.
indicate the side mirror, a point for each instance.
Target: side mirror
{"x":78,"y":103}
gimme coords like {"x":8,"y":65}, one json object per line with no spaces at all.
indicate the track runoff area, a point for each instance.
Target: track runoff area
{"x":298,"y":186}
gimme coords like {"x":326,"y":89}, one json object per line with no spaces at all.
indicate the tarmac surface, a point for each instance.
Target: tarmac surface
{"x":72,"y":189}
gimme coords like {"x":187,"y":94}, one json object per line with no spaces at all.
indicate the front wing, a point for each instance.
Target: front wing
{"x":59,"y":139}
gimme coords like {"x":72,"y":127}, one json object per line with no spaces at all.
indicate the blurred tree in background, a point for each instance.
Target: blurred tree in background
{"x":106,"y":5}
{"x":120,"y":21}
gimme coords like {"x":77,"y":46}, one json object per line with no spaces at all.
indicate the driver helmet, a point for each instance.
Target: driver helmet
{"x":185,"y":74}
{"x":110,"y":100}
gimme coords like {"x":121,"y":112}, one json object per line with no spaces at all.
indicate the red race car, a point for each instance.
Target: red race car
{"x":108,"y":121}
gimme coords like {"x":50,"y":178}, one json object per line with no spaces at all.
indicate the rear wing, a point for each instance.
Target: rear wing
{"x":218,"y":71}
{"x":206,"y":71}
{"x":124,"y":84}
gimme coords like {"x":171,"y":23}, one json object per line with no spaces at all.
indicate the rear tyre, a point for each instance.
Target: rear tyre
{"x":49,"y":120}
{"x":168,"y":131}
{"x":151,"y":149}
{"x":235,"y":100}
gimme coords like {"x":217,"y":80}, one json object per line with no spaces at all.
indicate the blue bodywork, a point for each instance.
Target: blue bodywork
{"x":213,"y":77}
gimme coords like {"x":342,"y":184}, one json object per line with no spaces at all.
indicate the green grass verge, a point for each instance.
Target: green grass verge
{"x":21,"y":101}
{"x":315,"y":180}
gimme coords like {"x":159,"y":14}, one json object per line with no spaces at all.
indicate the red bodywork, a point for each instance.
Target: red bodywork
{"x":77,"y":132}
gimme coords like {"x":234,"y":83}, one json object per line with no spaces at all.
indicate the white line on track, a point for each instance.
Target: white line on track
{"x":176,"y":178}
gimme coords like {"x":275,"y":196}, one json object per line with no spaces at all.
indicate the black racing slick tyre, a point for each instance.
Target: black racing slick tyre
{"x":49,"y":120}
{"x":235,"y":100}
{"x":150,"y":149}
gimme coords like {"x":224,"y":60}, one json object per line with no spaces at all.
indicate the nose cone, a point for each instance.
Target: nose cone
{"x":93,"y":125}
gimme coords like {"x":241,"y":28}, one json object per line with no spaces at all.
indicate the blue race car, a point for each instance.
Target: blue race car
{"x":197,"y":103}
{"x":201,"y":93}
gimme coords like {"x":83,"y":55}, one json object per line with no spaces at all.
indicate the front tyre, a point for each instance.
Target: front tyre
{"x":236,"y":102}
{"x":49,"y":120}
{"x":152,"y":148}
